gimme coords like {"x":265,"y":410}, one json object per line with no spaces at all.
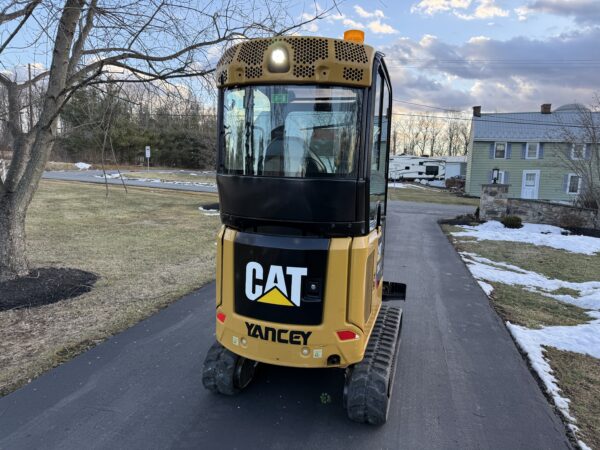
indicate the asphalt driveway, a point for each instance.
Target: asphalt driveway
{"x":461,"y":383}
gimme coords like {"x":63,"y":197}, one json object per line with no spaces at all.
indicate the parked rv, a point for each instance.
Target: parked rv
{"x":416,"y":168}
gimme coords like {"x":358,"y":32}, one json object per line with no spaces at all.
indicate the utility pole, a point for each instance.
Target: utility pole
{"x":30,"y":100}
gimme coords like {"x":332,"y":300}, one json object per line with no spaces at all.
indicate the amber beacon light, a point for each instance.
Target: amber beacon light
{"x":354,"y":36}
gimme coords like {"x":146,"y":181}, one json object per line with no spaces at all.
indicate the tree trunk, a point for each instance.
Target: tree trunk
{"x":16,"y":197}
{"x":13,"y":262}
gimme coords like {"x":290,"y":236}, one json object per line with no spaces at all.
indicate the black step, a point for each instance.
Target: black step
{"x":393,"y":291}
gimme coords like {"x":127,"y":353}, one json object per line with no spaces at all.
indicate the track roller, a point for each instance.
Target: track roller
{"x":226,"y":373}
{"x":369,"y":384}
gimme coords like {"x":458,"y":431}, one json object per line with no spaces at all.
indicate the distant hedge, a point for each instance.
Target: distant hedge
{"x":178,"y":136}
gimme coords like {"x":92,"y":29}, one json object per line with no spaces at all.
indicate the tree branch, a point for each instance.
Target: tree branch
{"x":83,"y":35}
{"x":26,"y":12}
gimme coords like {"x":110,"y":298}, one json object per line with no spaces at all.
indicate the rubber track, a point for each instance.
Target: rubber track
{"x":370,"y":382}
{"x":218,"y":370}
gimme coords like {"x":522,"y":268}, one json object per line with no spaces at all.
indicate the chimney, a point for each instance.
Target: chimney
{"x":546,"y":108}
{"x":476,"y":111}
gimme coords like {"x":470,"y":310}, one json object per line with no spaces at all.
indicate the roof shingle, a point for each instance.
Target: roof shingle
{"x":530,"y":126}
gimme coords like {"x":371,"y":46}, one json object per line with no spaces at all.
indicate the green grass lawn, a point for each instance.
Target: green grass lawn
{"x":429,"y":195}
{"x":534,"y":310}
{"x":149,"y":247}
{"x":579,"y":379}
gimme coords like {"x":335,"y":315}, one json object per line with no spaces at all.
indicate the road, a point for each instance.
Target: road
{"x":97,"y":176}
{"x":460,"y":383}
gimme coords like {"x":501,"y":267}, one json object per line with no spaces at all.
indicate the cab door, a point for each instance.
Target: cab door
{"x":381,"y":114}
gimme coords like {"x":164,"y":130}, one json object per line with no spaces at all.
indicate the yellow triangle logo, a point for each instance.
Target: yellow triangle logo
{"x":275,"y":297}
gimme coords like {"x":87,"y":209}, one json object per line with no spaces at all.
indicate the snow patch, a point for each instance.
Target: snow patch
{"x":535,"y":234}
{"x":109,"y":176}
{"x":156,"y":180}
{"x":487,"y":288}
{"x":400,"y":185}
{"x":584,"y":339}
{"x":437,"y":183}
{"x":209,"y":212}
{"x":83,"y":166}
{"x":180,"y":183}
{"x":532,"y":348}
{"x":497,"y":272}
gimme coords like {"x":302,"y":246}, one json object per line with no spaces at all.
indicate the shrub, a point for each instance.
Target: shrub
{"x":570,"y":220}
{"x":512,"y":222}
{"x":457,"y":184}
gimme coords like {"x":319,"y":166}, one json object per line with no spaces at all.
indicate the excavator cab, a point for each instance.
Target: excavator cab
{"x":302,"y":170}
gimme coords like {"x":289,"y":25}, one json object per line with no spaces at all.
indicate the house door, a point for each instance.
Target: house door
{"x":531,"y":184}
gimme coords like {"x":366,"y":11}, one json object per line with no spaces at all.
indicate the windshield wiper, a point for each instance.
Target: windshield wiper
{"x":249,"y":131}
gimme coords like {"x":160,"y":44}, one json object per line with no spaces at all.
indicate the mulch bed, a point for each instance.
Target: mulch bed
{"x":45,"y":286}
{"x":467,"y":219}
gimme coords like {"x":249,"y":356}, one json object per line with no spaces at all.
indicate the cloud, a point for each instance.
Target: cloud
{"x":431,"y":7}
{"x":346,"y":21}
{"x":19,"y":73}
{"x":484,"y":9}
{"x":522,"y":13}
{"x":478,"y":39}
{"x":368,"y":15}
{"x":585,"y":12}
{"x":376,"y":25}
{"x":311,"y":26}
{"x":353,"y":24}
{"x":518,"y":74}
{"x":381,"y":28}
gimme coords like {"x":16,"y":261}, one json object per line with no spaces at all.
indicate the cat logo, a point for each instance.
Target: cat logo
{"x":275,"y":289}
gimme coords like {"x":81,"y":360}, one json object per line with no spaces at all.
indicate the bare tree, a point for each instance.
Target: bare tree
{"x":452,"y":134}
{"x":464,"y":133}
{"x":434,"y":133}
{"x":95,"y":42}
{"x":580,"y":131}
{"x":409,"y":134}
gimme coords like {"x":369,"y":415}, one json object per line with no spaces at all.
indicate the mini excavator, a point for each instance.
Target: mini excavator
{"x":302,"y":171}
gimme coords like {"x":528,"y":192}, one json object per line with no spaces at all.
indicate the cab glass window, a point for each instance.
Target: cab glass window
{"x":291,"y":131}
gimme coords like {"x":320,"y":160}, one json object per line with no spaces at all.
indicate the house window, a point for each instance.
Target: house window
{"x":578,"y":151}
{"x":500,"y":150}
{"x":532,"y":151}
{"x":573,"y":184}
